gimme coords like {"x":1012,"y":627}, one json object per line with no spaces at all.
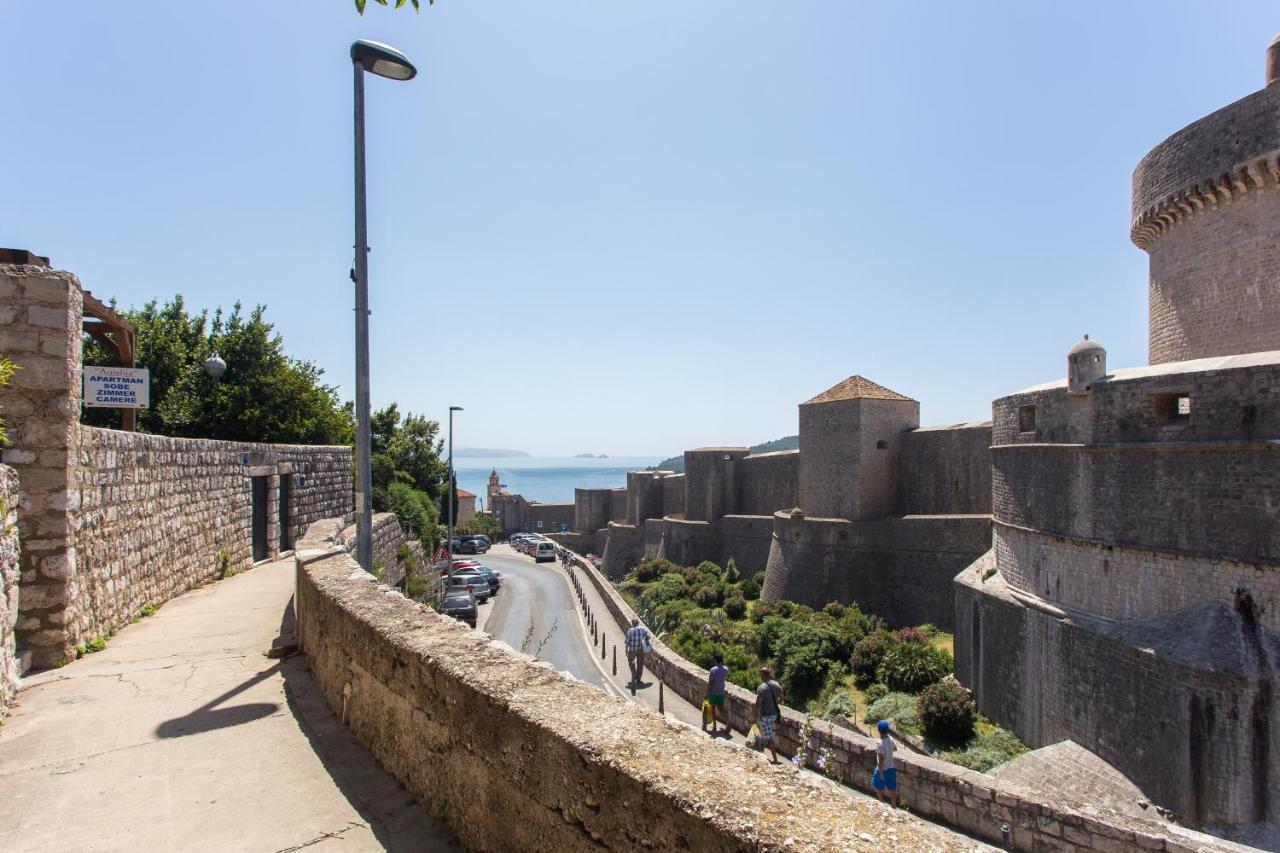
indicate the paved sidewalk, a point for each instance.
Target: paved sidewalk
{"x":183,"y":735}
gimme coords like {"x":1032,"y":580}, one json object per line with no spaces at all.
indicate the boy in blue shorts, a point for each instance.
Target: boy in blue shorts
{"x":885,"y":777}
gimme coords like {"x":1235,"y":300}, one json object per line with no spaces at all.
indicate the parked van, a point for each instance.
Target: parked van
{"x":546,"y":551}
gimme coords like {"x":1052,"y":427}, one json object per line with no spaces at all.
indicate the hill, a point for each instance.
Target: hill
{"x":787,"y":442}
{"x":486,"y":453}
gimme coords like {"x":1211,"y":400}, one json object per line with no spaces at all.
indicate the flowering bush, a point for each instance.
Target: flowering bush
{"x":910,"y":668}
{"x":947,"y":711}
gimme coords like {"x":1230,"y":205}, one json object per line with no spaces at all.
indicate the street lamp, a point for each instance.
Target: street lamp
{"x":215,"y":367}
{"x":453,"y":484}
{"x":385,"y":61}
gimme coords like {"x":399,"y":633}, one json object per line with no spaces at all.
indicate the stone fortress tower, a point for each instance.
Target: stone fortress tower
{"x":1131,"y":600}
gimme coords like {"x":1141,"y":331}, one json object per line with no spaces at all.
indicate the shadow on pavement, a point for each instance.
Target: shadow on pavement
{"x":395,"y":818}
{"x":209,"y":716}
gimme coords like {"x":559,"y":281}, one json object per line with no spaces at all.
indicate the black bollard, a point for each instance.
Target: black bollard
{"x":604,"y":644}
{"x":615,"y":658}
{"x":661,"y":704}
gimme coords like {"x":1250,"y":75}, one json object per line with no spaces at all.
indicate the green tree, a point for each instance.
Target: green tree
{"x":265,"y":395}
{"x":360,"y":4}
{"x":405,"y":449}
{"x":416,"y":512}
{"x":483,"y":524}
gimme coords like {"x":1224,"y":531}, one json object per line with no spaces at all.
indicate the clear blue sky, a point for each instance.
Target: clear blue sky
{"x":684,"y":218}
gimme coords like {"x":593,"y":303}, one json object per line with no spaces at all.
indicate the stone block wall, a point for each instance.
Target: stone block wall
{"x":152,"y":515}
{"x":673,"y":495}
{"x":689,"y":542}
{"x":711,"y":482}
{"x":618,"y":505}
{"x":768,"y":482}
{"x":945,"y":470}
{"x":545,"y":518}
{"x":979,"y":804}
{"x":593,"y":509}
{"x":456,"y":716}
{"x":746,"y":539}
{"x":623,"y":551}
{"x":900,"y":569}
{"x":9,"y":572}
{"x":849,"y":457}
{"x":1183,"y":705}
{"x":388,"y":537}
{"x":644,"y":496}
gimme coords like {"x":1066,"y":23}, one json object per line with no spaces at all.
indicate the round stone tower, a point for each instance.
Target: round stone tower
{"x":1086,"y":364}
{"x":1206,"y":208}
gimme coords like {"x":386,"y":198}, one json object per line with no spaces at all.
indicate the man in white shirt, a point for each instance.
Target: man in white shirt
{"x":885,"y":777}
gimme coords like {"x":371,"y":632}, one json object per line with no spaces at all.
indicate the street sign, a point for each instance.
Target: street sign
{"x":117,"y":387}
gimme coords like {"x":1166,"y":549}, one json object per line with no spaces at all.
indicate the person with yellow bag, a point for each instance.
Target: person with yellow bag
{"x":713,"y":702}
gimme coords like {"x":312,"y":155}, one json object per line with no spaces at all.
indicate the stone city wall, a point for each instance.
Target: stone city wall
{"x":768,"y":482}
{"x":388,"y":537}
{"x":900,"y":569}
{"x":1183,"y":706}
{"x":618,"y":505}
{"x":673,"y":496}
{"x":689,"y":542}
{"x":152,"y":516}
{"x":455,"y":716}
{"x":9,"y":572}
{"x":945,"y":470}
{"x":623,"y":550}
{"x":593,"y":509}
{"x":971,"y":801}
{"x":711,"y":482}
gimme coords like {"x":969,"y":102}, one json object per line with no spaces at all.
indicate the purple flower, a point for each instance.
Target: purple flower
{"x":797,"y":760}
{"x":822,"y":762}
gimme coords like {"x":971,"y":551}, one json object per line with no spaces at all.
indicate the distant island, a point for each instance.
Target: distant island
{"x":486,"y":453}
{"x":787,"y":442}
{"x":591,"y":456}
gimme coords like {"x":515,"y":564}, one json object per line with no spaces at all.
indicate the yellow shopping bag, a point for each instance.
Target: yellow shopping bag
{"x":754,"y":738}
{"x":708,"y":715}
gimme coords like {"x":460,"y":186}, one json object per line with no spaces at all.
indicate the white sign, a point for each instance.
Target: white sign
{"x":117,"y":387}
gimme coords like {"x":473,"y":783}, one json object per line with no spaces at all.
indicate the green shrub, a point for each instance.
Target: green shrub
{"x":148,"y":610}
{"x":910,"y":668}
{"x":706,"y":595}
{"x":914,"y":636}
{"x":867,"y":655}
{"x":415,"y":509}
{"x":652,"y":568}
{"x":839,"y":705}
{"x":6,"y":373}
{"x":875,"y":692}
{"x":731,"y":573}
{"x":750,"y":590}
{"x":947,"y":711}
{"x":758,"y":577}
{"x":735,"y":608}
{"x":988,"y":750}
{"x":803,"y":673}
{"x":834,"y":609}
{"x":710,"y":569}
{"x":898,"y":708}
{"x":669,"y":587}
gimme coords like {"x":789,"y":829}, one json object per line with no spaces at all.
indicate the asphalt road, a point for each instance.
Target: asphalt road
{"x":535,"y":613}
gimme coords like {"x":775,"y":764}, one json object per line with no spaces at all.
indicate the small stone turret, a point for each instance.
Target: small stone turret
{"x":1273,"y":61}
{"x":1086,"y":364}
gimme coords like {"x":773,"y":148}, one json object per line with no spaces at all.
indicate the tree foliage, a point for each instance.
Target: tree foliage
{"x":6,"y":373}
{"x":360,"y":4}
{"x":265,"y":395}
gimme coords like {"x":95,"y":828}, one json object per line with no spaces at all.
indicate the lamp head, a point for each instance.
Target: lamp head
{"x":215,"y":367}
{"x":382,"y":59}
{"x":455,"y":408}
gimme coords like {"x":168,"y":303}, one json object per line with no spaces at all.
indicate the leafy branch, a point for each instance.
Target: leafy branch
{"x":414,"y":3}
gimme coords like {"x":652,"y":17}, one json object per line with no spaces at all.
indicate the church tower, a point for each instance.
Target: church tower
{"x":494,"y":487}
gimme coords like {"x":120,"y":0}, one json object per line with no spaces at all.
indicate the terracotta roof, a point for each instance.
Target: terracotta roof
{"x":857,"y":388}
{"x":463,"y":493}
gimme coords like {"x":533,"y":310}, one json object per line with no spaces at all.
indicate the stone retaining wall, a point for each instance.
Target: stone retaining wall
{"x":516,"y":756}
{"x":972,"y":801}
{"x":8,"y":583}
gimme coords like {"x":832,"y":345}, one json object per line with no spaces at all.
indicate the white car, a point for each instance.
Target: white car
{"x":544,"y":552}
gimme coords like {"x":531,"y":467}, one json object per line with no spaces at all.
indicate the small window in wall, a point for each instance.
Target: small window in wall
{"x":882,"y":445}
{"x":1026,"y":419}
{"x":1171,"y":408}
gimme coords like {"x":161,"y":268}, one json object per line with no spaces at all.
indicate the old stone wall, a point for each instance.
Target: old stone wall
{"x":977,"y":803}
{"x":711,"y":482}
{"x":9,"y":572}
{"x":455,"y":716}
{"x":593,"y":508}
{"x":152,"y":516}
{"x":768,"y":482}
{"x":900,"y":569}
{"x":746,"y":540}
{"x":623,"y":550}
{"x":1183,"y":705}
{"x":644,"y":496}
{"x":389,"y":536}
{"x":673,"y":495}
{"x":689,"y":542}
{"x":849,"y":458}
{"x":618,"y":505}
{"x":1205,"y":208}
{"x":945,"y":470}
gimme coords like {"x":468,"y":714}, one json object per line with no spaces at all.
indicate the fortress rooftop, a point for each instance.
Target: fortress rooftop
{"x":856,"y":388}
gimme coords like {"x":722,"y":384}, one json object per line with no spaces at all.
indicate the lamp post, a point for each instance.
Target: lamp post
{"x":215,"y":366}
{"x":385,"y":61}
{"x":453,"y":485}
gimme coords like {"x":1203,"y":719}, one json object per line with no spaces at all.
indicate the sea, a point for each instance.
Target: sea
{"x":547,"y":479}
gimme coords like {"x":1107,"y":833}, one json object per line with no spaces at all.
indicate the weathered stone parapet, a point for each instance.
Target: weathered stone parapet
{"x":972,"y":801}
{"x":9,"y":571}
{"x":516,"y":756}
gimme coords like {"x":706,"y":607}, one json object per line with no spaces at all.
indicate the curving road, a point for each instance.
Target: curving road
{"x":537,"y":596}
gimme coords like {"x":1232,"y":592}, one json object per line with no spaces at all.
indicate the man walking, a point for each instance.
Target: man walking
{"x":768,"y":708}
{"x":637,"y":645}
{"x":885,"y":777}
{"x":716,"y":678}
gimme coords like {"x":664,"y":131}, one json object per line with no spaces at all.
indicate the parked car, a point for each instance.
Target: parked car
{"x":473,"y":582}
{"x":459,"y":564}
{"x":473,"y":546}
{"x":545,"y":552}
{"x":460,"y":604}
{"x":495,"y":577}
